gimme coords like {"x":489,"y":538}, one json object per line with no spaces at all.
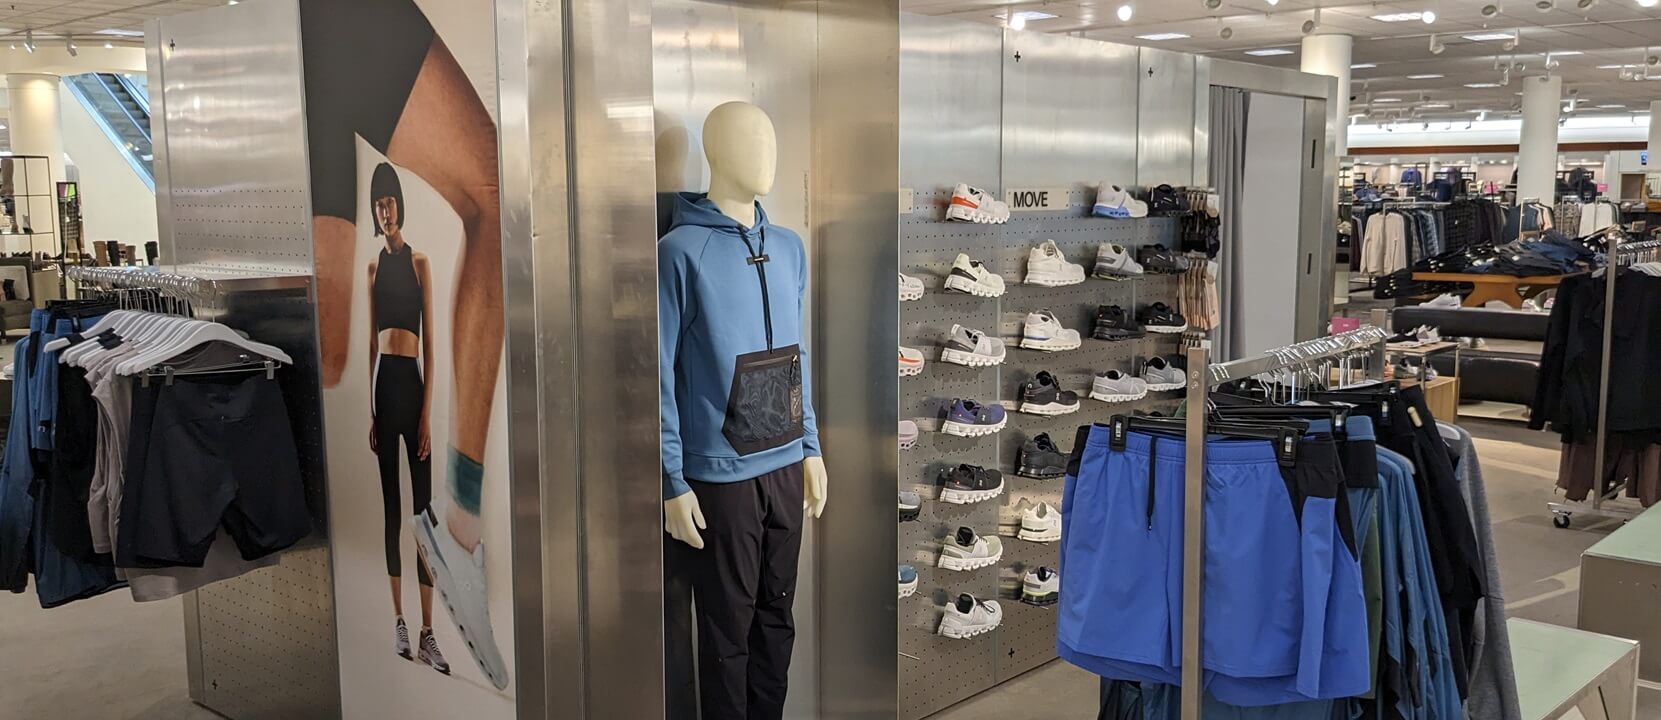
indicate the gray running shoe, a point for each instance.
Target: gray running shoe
{"x":429,"y":654}
{"x":967,"y":551}
{"x":969,"y":617}
{"x":973,"y":348}
{"x":401,"y":640}
{"x":1115,"y":386}
{"x":1161,"y":375}
{"x":911,"y":506}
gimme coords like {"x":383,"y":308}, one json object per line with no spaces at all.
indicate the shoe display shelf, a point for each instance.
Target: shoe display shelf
{"x":928,"y":245}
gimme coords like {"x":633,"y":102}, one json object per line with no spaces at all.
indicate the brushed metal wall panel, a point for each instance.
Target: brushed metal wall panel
{"x":1069,"y":110}
{"x":1202,"y":121}
{"x":234,"y":143}
{"x":267,"y":641}
{"x":951,"y":103}
{"x":1165,"y":118}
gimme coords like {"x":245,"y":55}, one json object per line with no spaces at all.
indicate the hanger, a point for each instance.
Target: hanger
{"x":1285,"y":436}
{"x":203,"y":333}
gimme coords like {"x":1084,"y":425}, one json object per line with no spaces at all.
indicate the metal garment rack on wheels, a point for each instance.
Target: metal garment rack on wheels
{"x":1620,"y":253}
{"x":1306,"y":355}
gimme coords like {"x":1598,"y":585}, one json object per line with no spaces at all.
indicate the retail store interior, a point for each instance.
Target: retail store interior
{"x":1257,"y":359}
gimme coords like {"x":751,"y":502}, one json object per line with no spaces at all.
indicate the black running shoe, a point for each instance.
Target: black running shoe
{"x":1044,"y":396}
{"x":1157,"y":259}
{"x":1113,"y":323}
{"x":1160,"y":318}
{"x":1040,"y":459}
{"x":966,"y":484}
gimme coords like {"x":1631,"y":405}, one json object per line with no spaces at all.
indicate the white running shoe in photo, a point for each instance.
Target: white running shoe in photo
{"x":1041,"y":587}
{"x":1114,"y":262}
{"x":1041,"y":524}
{"x":910,"y":288}
{"x":1114,"y":386}
{"x":1043,"y":331}
{"x":400,"y":640}
{"x":967,"y":551}
{"x":911,"y":361}
{"x":966,"y":346}
{"x":1046,"y":266}
{"x":968,"y":617}
{"x":971,"y":277}
{"x":459,"y":576}
{"x":976,"y":206}
{"x":1162,"y":376}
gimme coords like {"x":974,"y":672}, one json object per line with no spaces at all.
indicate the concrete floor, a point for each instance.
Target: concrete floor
{"x":111,"y":659}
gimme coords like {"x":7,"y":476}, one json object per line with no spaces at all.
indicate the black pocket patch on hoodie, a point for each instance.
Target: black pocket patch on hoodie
{"x":764,"y":409}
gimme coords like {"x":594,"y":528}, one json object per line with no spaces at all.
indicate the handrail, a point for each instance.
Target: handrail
{"x":145,"y":173}
{"x":140,"y":97}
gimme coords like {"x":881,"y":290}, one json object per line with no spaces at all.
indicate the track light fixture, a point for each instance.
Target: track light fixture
{"x":1551,"y":62}
{"x":1213,"y":4}
{"x":29,"y":40}
{"x":69,"y":44}
{"x":1225,"y":33}
{"x":1585,"y":4}
{"x":1436,"y":45}
{"x":1545,"y":6}
{"x":1273,"y":3}
{"x":1516,"y":39}
{"x":1491,"y":11}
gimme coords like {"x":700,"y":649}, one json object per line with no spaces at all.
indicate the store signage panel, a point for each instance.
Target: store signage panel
{"x":1043,"y":198}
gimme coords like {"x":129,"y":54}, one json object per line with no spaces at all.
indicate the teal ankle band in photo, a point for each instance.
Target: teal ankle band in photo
{"x":466,"y":481}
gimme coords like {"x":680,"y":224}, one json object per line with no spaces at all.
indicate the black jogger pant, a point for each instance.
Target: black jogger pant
{"x":744,"y":588}
{"x":399,"y":393}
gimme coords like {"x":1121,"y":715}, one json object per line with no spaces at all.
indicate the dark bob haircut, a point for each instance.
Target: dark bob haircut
{"x":385,"y":184}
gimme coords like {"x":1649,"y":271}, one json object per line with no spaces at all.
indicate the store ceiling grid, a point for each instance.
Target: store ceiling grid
{"x":1610,"y":33}
{"x":86,"y":19}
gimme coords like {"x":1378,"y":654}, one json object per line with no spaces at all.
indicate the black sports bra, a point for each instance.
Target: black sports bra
{"x":397,"y":292}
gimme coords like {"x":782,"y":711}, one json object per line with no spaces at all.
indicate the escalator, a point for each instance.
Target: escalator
{"x":121,"y":108}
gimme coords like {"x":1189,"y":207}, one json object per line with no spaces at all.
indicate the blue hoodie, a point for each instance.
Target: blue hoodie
{"x":712,"y":310}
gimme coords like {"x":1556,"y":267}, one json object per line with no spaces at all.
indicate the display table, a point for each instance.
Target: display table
{"x":1508,"y":288}
{"x":1441,"y":395}
{"x":1561,"y":669}
{"x":1620,"y":587}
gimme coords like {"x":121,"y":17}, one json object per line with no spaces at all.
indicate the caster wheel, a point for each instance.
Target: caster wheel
{"x":1560,"y":521}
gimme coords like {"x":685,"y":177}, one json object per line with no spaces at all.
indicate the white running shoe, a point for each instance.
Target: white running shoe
{"x":976,"y":206}
{"x":969,"y":276}
{"x":908,"y":434}
{"x":1044,"y":332}
{"x":1445,"y":300}
{"x":1046,"y":266}
{"x":911,"y":361}
{"x":1113,"y":201}
{"x":968,"y":617}
{"x":1041,"y":587}
{"x":910,"y":288}
{"x":967,"y":551}
{"x":1041,"y":524}
{"x":1114,"y":262}
{"x":1115,"y":386}
{"x":973,"y":348}
{"x":459,"y":576}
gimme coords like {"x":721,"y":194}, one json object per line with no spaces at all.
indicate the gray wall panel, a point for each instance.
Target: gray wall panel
{"x":1089,"y":137}
{"x":1165,"y":118}
{"x":951,"y":103}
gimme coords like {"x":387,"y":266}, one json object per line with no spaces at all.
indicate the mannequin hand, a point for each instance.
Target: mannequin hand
{"x":682,"y":519}
{"x":815,"y":486}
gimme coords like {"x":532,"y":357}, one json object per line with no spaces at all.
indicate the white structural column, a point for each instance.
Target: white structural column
{"x":1330,"y":55}
{"x":36,"y":129}
{"x":1537,"y":156}
{"x":1654,"y":145}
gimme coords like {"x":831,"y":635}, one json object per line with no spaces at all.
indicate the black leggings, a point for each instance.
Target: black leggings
{"x":399,"y":392}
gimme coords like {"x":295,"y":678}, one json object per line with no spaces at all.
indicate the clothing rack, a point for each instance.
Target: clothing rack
{"x":1620,"y":253}
{"x":1367,"y":341}
{"x":199,"y":289}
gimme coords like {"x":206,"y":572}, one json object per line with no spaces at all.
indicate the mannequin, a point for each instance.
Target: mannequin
{"x":741,"y":459}
{"x":743,"y":150}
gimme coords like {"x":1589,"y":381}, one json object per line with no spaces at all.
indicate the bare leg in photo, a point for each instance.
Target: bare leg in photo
{"x":334,"y":244}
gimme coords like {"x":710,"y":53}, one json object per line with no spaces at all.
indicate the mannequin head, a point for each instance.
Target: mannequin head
{"x":742,"y":151}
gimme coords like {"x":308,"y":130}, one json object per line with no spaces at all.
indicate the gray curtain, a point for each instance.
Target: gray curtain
{"x":1228,"y":168}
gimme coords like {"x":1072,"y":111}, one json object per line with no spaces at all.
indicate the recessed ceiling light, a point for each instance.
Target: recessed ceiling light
{"x":1429,"y":17}
{"x":1030,"y":15}
{"x":1399,"y":17}
{"x":1488,"y":37}
{"x":1386,"y":100}
{"x":1125,"y":11}
{"x":1427,"y":76}
{"x":1163,"y":36}
{"x":1363,"y":66}
{"x":1269,"y":52}
{"x":1649,"y":3}
{"x":1482,"y":85}
{"x":121,"y":33}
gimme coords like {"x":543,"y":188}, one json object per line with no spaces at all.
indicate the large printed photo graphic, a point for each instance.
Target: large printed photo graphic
{"x":407,"y":239}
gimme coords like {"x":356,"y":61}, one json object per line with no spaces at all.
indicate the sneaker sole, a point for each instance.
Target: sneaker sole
{"x":973,"y":215}
{"x":495,"y":672}
{"x":1043,"y":600}
{"x":908,"y":444}
{"x":1043,"y":281}
{"x":1112,"y":337}
{"x":1102,"y":273}
{"x":962,"y":564}
{"x":965,"y":285}
{"x":1041,"y":473}
{"x":910,"y":514}
{"x":957,"y":632}
{"x":911,"y":370}
{"x":1167,"y":329}
{"x":1116,"y":397}
{"x":966,"y":497}
{"x":953,"y":427}
{"x":1051,"y":409}
{"x":969,"y":359}
{"x":1050,"y":345}
{"x":1165,"y":387}
{"x":913,"y":295}
{"x":908,"y":589}
{"x":1040,"y":537}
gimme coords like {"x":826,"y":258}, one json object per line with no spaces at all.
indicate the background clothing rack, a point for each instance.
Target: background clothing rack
{"x":1369,"y":339}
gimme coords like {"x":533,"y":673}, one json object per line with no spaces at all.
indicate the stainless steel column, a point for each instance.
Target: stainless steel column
{"x":580,"y":282}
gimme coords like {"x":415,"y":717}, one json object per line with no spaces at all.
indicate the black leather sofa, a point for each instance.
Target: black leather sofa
{"x":1493,"y":375}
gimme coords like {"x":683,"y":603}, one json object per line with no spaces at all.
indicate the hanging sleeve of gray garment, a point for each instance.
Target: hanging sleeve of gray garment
{"x":1493,"y":684}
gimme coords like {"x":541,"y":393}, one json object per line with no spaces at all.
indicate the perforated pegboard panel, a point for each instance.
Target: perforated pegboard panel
{"x":928,"y":246}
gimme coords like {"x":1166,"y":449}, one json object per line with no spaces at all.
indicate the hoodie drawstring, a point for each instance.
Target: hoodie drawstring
{"x":759,"y":260}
